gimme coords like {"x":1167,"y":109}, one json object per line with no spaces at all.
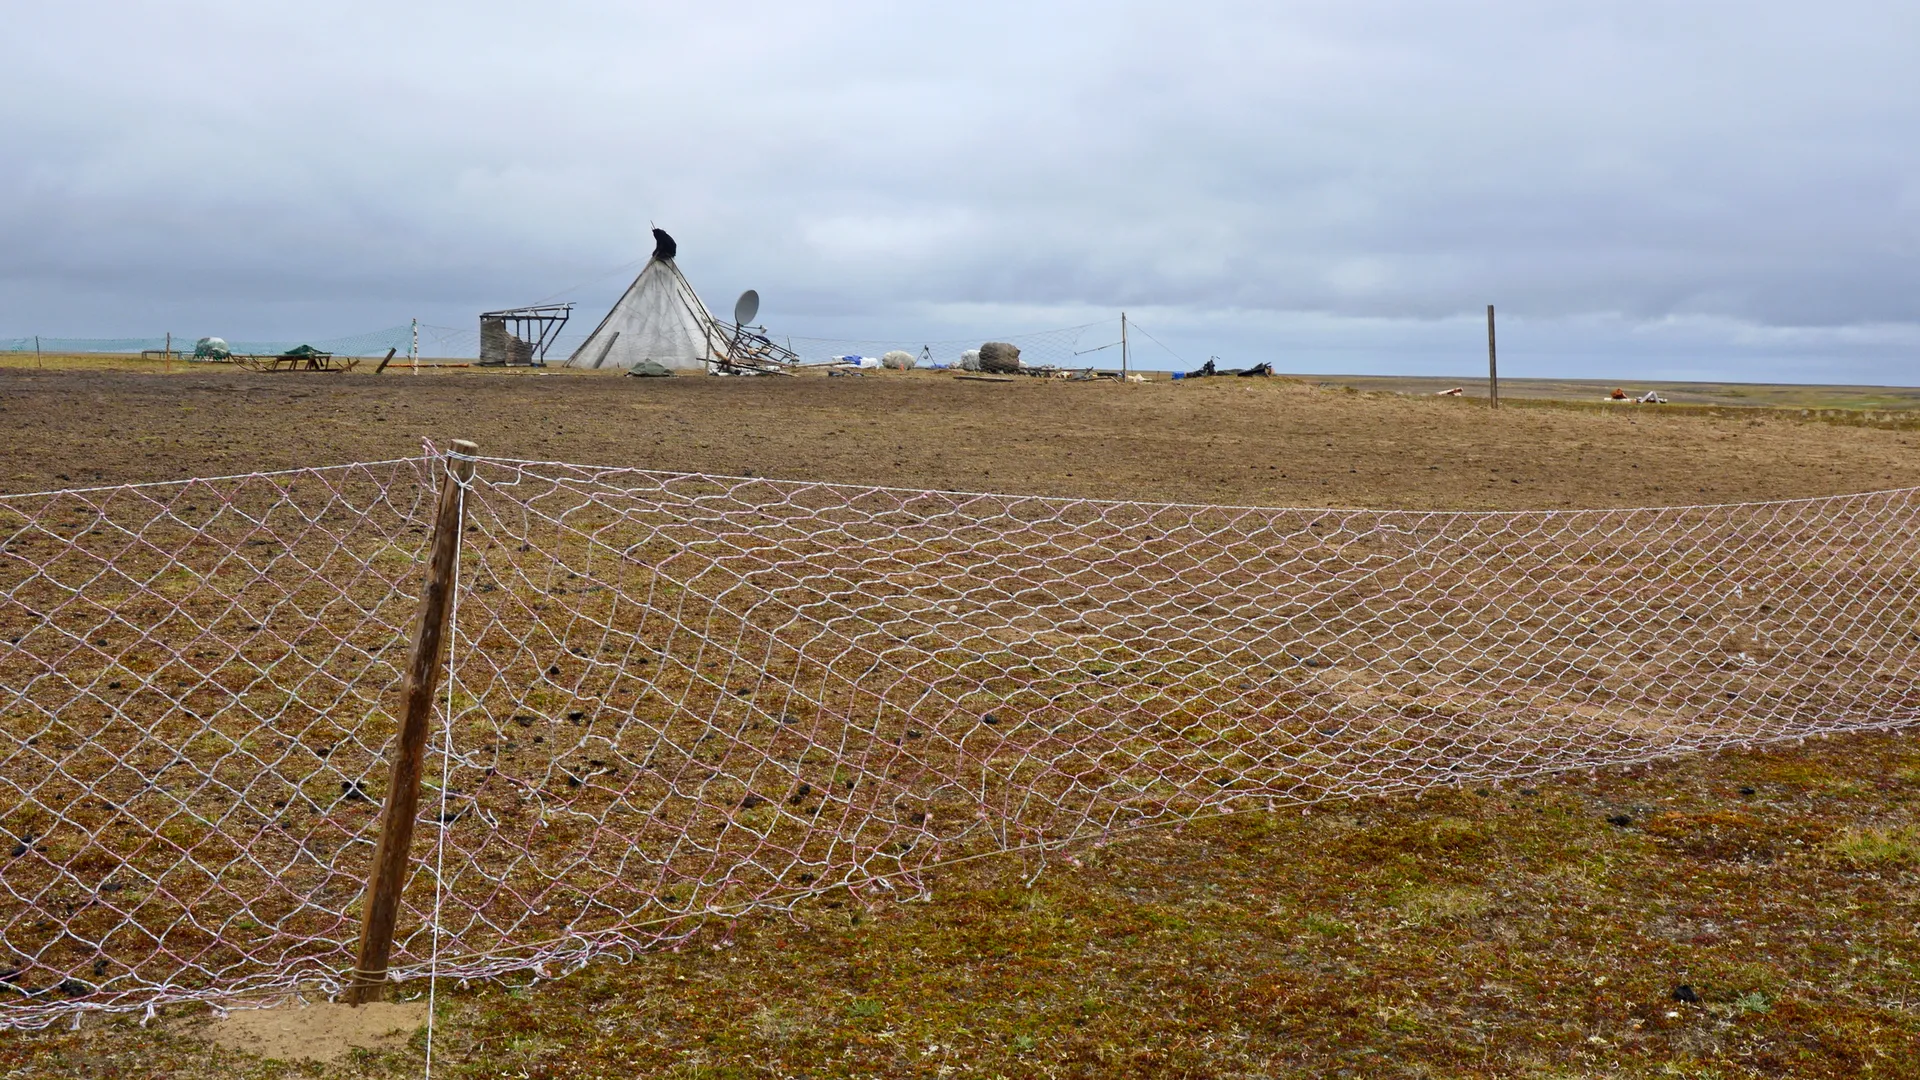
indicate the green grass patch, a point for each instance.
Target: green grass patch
{"x":1885,"y":847}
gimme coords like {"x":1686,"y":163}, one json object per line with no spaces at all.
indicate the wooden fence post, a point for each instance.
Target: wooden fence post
{"x":1493,"y":366}
{"x":389,"y":874}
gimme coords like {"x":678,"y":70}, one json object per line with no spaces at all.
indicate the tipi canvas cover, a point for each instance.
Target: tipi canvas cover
{"x":658,"y":318}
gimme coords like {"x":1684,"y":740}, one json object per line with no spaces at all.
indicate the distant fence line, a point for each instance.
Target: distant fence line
{"x":1087,"y":345}
{"x":1071,"y":346}
{"x":373,"y":343}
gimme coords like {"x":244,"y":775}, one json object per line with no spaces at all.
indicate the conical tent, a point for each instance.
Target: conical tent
{"x":658,"y":318}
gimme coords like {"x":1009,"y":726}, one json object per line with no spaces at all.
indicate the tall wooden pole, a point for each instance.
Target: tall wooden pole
{"x":1123,"y":345}
{"x":1493,"y":363}
{"x":169,"y":364}
{"x":36,"y":350}
{"x":389,"y":873}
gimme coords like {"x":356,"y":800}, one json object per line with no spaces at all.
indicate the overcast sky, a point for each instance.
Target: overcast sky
{"x":1682,"y":188}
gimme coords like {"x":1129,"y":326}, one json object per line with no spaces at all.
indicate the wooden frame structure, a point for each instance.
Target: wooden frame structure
{"x":297,"y":362}
{"x":529,"y":332}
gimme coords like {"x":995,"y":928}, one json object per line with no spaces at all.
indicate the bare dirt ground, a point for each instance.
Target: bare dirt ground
{"x":1877,"y":399}
{"x":1749,"y":914}
{"x":1262,"y":442}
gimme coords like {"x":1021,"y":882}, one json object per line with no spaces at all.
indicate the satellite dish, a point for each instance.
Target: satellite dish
{"x":745,"y":308}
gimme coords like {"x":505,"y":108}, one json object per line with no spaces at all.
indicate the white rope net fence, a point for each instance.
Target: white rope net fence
{"x":675,"y":698}
{"x":193,"y":679}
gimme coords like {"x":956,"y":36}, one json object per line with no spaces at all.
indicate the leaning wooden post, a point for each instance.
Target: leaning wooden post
{"x":389,"y":873}
{"x":1493,"y":366}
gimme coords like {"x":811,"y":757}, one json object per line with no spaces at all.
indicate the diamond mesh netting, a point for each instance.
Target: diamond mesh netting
{"x":678,"y":697}
{"x":192,"y":676}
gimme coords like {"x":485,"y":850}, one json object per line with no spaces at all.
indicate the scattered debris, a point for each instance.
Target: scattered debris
{"x":1210,"y":369}
{"x":298,"y":358}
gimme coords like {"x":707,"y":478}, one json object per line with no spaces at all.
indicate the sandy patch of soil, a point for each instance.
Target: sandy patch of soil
{"x":322,"y":1032}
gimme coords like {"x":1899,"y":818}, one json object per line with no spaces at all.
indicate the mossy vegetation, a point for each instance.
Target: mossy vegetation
{"x":1513,"y":931}
{"x":1894,"y":848}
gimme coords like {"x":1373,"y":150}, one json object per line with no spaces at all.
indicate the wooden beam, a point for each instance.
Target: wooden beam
{"x":389,"y":874}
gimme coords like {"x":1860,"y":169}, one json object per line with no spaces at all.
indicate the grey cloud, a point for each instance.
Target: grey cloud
{"x":1357,"y":178}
